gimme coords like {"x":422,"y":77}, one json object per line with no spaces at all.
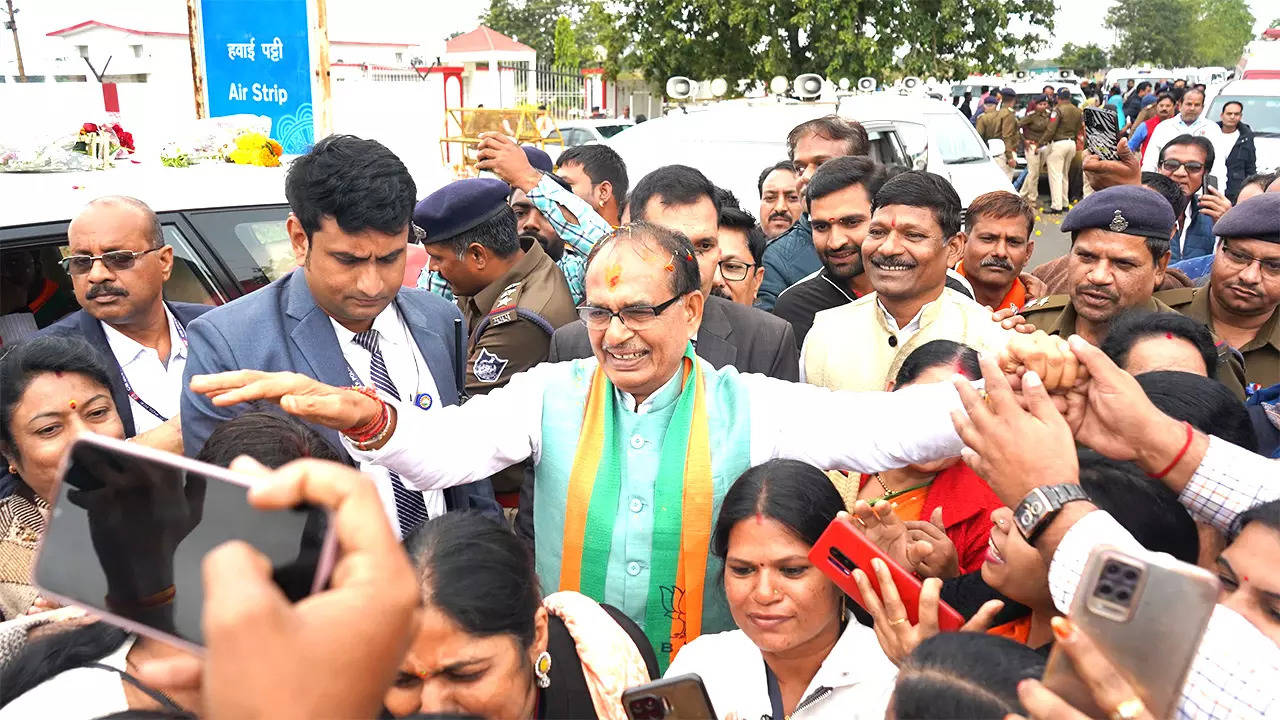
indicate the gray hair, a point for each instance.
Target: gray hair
{"x":685,"y":277}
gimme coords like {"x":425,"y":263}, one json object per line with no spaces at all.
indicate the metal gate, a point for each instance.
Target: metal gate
{"x":562,"y":91}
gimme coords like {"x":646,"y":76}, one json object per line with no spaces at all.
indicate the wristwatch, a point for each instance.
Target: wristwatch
{"x":1038,"y":508}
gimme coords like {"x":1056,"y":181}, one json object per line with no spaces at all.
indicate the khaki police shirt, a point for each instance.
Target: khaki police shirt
{"x":1057,"y":316}
{"x":1034,"y":125}
{"x":989,"y":125}
{"x":1261,"y":354}
{"x":1007,"y":123}
{"x":1064,"y":124}
{"x":512,"y":319}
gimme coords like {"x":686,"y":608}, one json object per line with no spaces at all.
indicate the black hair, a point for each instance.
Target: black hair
{"x":478,"y":573}
{"x":963,"y":675}
{"x":831,"y":127}
{"x":839,"y":173}
{"x":1262,"y":180}
{"x":733,"y":216}
{"x":272,"y":439}
{"x":150,"y":714}
{"x":600,"y":163}
{"x":672,"y":185}
{"x":56,"y":652}
{"x":1204,"y":143}
{"x":359,"y":183}
{"x":919,"y":188}
{"x":764,"y":174}
{"x":1137,"y":324}
{"x":1207,"y":404}
{"x":1168,"y":189}
{"x":22,"y":362}
{"x":1267,"y":513}
{"x":1147,"y":508}
{"x":1144,"y":85}
{"x":1233,"y":102}
{"x":685,"y":277}
{"x":959,"y":357}
{"x":498,"y":234}
{"x":795,"y":494}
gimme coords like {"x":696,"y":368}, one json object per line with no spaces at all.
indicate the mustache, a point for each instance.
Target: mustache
{"x":780,"y":216}
{"x":996,"y":262}
{"x":96,"y":291}
{"x":1099,"y":290}
{"x":892,"y":261}
{"x":622,"y":349}
{"x":721,"y":293}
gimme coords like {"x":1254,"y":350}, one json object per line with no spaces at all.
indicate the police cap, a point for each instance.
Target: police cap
{"x":990,"y":100}
{"x":1257,"y":218}
{"x":1129,"y":209}
{"x":460,"y":206}
{"x":1008,"y":92}
{"x":537,"y":158}
{"x":1064,"y":93}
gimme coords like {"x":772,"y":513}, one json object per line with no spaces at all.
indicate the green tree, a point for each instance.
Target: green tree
{"x":532,"y":22}
{"x":1085,"y":59}
{"x":1162,"y":32}
{"x":1224,"y":28}
{"x":566,"y":52}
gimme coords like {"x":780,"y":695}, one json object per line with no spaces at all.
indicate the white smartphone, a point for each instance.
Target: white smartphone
{"x":130,"y":527}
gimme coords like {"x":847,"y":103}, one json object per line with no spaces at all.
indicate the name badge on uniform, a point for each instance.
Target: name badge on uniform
{"x":423,"y":401}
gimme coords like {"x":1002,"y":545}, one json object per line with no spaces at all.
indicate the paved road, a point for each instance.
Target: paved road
{"x":1051,"y":242}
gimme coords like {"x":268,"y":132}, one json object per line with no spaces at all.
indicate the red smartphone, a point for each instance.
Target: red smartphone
{"x":842,"y":547}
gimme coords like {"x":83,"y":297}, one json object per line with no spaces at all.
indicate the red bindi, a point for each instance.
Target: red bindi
{"x":57,"y":373}
{"x":1168,"y":336}
{"x":759,"y":518}
{"x":73,"y":404}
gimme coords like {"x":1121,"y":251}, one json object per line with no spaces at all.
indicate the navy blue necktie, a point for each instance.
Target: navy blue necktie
{"x":411,"y":511}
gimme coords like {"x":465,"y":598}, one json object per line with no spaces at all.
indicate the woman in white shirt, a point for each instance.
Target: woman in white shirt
{"x":799,"y":653}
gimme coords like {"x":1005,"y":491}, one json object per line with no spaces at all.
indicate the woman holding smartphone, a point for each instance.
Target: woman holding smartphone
{"x":51,"y":390}
{"x":798,"y":647}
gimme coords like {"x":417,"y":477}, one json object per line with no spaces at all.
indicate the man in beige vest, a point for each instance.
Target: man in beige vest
{"x":914,"y":236}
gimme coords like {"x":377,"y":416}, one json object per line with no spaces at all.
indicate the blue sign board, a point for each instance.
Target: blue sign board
{"x":257,"y":60}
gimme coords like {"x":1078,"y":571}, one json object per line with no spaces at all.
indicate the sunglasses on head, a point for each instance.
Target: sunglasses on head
{"x":116,"y":260}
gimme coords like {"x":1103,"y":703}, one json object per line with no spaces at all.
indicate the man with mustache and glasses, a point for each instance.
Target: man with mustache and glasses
{"x":1240,"y":302}
{"x":998,"y":243}
{"x":780,"y":199}
{"x":913,"y":238}
{"x":742,"y":242}
{"x":119,"y":262}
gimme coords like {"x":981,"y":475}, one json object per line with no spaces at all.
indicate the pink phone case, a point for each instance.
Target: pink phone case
{"x":328,"y":552}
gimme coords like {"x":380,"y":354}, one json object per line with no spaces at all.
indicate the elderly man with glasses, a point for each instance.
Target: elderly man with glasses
{"x":634,"y":447}
{"x":119,"y":262}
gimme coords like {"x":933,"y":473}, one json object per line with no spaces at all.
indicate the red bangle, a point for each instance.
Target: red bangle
{"x":367,"y":432}
{"x":1177,"y":458}
{"x":372,"y":425}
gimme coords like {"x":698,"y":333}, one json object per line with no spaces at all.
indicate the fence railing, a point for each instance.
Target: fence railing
{"x":562,"y":92}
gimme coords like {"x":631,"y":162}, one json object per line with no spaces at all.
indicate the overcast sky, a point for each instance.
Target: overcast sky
{"x":426,"y":21}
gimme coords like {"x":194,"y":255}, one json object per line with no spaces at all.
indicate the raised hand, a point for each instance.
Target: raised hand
{"x":930,"y":553}
{"x":339,"y":408}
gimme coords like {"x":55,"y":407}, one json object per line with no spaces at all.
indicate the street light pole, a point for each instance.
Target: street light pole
{"x":12,"y":24}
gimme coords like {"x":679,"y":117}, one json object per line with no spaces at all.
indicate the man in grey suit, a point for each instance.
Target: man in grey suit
{"x":751,"y":340}
{"x":342,"y":317}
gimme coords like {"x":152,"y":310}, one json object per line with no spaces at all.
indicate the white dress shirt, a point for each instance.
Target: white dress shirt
{"x":81,"y":693}
{"x":1172,"y":128}
{"x":1236,"y":671}
{"x":412,"y":377}
{"x":461,"y":444}
{"x":854,"y":681}
{"x":158,"y":384}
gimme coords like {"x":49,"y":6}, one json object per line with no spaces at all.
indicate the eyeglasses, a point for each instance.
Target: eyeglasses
{"x":635,"y":317}
{"x":1172,"y":165}
{"x":116,"y":260}
{"x":735,"y":270}
{"x":1270,"y":268}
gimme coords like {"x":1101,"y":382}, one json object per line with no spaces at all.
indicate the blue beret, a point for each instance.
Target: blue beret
{"x":1149,"y":99}
{"x":538,"y":158}
{"x":1008,"y":92}
{"x":1064,"y":93}
{"x":1129,"y":209}
{"x":1257,"y":218}
{"x":460,"y":206}
{"x":990,"y":100}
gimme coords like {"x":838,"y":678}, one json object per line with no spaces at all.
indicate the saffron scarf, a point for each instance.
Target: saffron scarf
{"x":681,"y":510}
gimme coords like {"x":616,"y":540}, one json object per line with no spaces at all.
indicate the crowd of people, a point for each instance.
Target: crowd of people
{"x":596,"y":445}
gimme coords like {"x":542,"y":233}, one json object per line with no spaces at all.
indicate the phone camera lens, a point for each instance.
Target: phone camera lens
{"x":1122,"y":595}
{"x":1111,"y":569}
{"x":1104,"y":589}
{"x":1131,"y":575}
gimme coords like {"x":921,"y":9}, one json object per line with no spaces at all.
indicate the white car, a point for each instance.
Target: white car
{"x":1261,"y":101}
{"x":585,"y":132}
{"x":732,"y":141}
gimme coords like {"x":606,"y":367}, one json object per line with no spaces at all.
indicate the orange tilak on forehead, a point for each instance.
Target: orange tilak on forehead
{"x":613,"y":274}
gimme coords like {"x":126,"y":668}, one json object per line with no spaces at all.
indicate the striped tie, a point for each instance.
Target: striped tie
{"x":411,"y":511}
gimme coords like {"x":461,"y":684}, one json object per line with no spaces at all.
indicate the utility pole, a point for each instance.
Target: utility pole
{"x":12,"y":25}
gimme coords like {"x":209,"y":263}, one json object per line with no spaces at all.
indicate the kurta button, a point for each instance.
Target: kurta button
{"x":893,"y":341}
{"x":633,"y":568}
{"x":637,"y":442}
{"x":636,"y":505}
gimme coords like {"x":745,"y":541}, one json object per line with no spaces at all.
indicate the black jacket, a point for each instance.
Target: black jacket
{"x":1242,"y":161}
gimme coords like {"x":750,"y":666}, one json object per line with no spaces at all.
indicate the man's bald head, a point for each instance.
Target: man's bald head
{"x":120,"y":207}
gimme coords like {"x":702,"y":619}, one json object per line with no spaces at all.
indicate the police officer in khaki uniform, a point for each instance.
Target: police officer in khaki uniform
{"x":988,"y":126}
{"x":1033,"y":126}
{"x":1065,"y":124}
{"x":1007,"y":125}
{"x":1241,"y":303}
{"x":512,"y":295}
{"x":1114,"y":228}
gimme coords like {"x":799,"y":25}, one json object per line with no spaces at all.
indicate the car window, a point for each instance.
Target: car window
{"x":252,"y":242}
{"x":35,"y":290}
{"x":610,"y":130}
{"x":955,"y":140}
{"x":1261,"y":113}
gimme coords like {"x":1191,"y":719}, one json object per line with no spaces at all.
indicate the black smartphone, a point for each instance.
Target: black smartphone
{"x":1101,"y":132}
{"x":682,"y":697}
{"x":1210,"y":181}
{"x":130,"y":527}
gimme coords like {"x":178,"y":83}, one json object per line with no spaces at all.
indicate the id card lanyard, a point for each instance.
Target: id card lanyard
{"x":128,"y":387}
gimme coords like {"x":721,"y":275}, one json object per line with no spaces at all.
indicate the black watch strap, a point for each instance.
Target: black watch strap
{"x":1039,"y":507}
